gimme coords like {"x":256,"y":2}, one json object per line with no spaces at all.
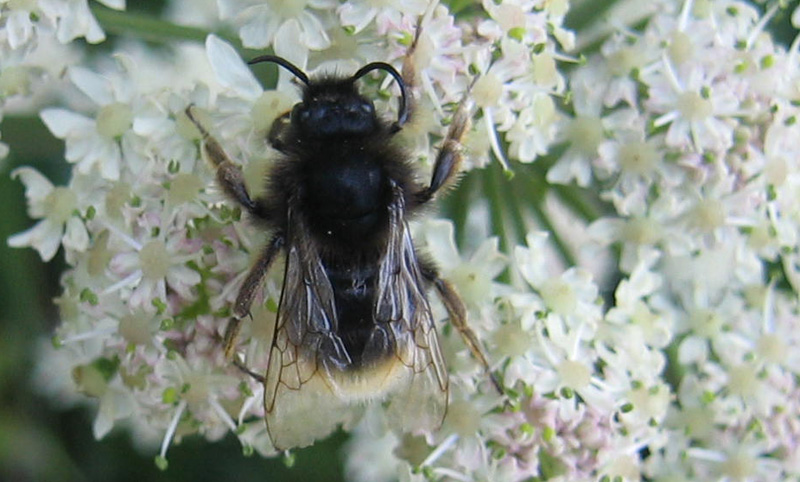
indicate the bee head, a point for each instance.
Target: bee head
{"x":332,"y":106}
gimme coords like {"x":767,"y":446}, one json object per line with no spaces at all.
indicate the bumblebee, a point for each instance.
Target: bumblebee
{"x":354,"y":323}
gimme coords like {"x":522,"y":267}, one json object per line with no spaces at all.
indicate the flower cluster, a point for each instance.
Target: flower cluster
{"x":667,"y":352}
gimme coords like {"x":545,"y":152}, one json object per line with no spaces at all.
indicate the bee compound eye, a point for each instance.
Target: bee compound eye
{"x":300,"y":113}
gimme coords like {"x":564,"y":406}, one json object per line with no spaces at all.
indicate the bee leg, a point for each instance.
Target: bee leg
{"x":229,"y":175}
{"x":448,"y":161}
{"x":244,"y":300}
{"x":241,"y":366}
{"x":276,"y":134}
{"x":458,"y":317}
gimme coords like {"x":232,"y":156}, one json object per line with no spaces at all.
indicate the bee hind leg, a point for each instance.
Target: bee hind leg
{"x":244,"y":300}
{"x":458,"y":317}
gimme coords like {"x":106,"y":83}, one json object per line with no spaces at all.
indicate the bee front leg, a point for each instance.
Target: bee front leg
{"x":448,"y":162}
{"x":277,"y":133}
{"x":244,"y":300}
{"x":229,"y":175}
{"x":458,"y":317}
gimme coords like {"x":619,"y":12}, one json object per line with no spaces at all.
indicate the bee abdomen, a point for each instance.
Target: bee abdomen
{"x":366,"y":341}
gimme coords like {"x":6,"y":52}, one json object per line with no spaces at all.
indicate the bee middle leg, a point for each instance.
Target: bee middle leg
{"x":458,"y":317}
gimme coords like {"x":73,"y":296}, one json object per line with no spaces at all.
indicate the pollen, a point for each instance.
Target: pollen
{"x":135,"y":328}
{"x":623,"y":61}
{"x":545,"y":70}
{"x":574,"y":374}
{"x":739,"y":466}
{"x":60,"y":203}
{"x":463,"y":418}
{"x":708,"y":215}
{"x":638,"y":158}
{"x":487,"y":91}
{"x":694,"y":107}
{"x":680,"y":48}
{"x":772,"y":348}
{"x":511,"y":340}
{"x":14,"y":80}
{"x":184,"y":188}
{"x":113,"y":120}
{"x":559,"y":297}
{"x":586,"y":134}
{"x":640,"y":231}
{"x":154,"y":260}
{"x":743,"y":381}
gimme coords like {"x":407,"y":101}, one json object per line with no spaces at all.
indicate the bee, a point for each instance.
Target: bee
{"x":354,"y":323}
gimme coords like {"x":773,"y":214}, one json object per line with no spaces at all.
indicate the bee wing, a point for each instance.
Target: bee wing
{"x":300,"y":404}
{"x":401,"y":302}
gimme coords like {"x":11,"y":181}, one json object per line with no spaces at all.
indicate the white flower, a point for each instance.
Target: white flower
{"x":359,"y":13}
{"x":473,"y":277}
{"x":75,"y":20}
{"x":97,"y":142}
{"x":261,"y":21}
{"x":60,"y":209}
{"x":151,"y":266}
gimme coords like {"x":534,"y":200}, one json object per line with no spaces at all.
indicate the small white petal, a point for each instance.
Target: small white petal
{"x":62,"y":122}
{"x":693,"y":350}
{"x":19,"y":28}
{"x":44,"y":237}
{"x":257,"y":33}
{"x":440,"y":238}
{"x":287,"y":46}
{"x":37,"y":187}
{"x":75,"y":236}
{"x":314,"y":35}
{"x":115,"y":4}
{"x":95,"y":86}
{"x":230,"y":70}
{"x":357,"y":15}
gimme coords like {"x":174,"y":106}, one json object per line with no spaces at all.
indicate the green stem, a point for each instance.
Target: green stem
{"x":457,"y":206}
{"x":496,"y":209}
{"x":544,"y":221}
{"x":145,"y":27}
{"x":575,"y":198}
{"x":156,"y":30}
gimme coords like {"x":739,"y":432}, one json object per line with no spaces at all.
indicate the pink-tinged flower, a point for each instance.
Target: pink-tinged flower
{"x":698,"y":109}
{"x":152,"y":264}
{"x":358,"y":14}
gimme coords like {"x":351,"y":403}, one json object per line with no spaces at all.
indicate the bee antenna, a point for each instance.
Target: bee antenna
{"x":283,"y":63}
{"x":402,"y":114}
